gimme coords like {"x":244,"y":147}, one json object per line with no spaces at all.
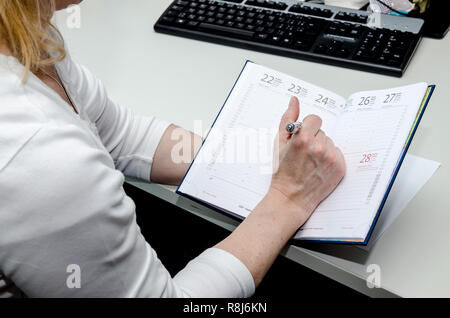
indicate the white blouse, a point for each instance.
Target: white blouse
{"x":62,"y":204}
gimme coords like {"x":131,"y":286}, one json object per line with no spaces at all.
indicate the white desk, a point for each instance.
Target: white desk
{"x":184,"y":80}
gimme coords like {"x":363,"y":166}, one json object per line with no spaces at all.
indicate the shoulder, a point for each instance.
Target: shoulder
{"x":74,"y":75}
{"x":84,"y":87}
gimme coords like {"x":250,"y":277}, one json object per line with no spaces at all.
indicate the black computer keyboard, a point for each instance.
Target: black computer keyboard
{"x":325,"y":34}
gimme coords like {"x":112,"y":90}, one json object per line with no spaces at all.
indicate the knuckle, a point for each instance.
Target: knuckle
{"x":319,"y":150}
{"x":303,"y":140}
{"x":331,"y":158}
{"x":341,"y":170}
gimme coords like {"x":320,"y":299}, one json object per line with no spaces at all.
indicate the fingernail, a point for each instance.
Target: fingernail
{"x":292,"y":101}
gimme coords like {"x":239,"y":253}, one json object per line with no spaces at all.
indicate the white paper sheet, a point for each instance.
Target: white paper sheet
{"x":413,"y":175}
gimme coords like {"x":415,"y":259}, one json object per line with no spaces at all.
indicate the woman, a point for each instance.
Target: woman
{"x":64,"y":148}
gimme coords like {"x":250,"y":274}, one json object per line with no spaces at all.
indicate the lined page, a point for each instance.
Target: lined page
{"x":234,"y":167}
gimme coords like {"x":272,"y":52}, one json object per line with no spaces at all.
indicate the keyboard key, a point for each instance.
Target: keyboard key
{"x":192,"y":24}
{"x":352,"y":17}
{"x":275,"y":39}
{"x":298,"y":8}
{"x":267,"y":4}
{"x":180,"y":21}
{"x":262,"y":36}
{"x":321,"y":49}
{"x":167,"y":20}
{"x":303,"y":45}
{"x":286,"y":42}
{"x":343,"y":53}
{"x":226,"y":30}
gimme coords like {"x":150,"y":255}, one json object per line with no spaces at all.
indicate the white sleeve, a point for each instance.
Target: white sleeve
{"x":63,"y":203}
{"x":130,"y":139}
{"x":231,"y":276}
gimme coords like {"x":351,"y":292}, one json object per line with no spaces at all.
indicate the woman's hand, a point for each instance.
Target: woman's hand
{"x":310,"y":165}
{"x":310,"y":168}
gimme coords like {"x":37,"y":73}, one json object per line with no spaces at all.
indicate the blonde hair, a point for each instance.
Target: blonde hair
{"x":26,"y":29}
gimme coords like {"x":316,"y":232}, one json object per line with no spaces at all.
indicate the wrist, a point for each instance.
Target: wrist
{"x":279,"y":206}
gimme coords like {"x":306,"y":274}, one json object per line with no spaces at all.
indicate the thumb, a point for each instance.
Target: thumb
{"x":290,"y":116}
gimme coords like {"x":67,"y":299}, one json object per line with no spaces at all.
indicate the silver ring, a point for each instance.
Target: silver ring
{"x":293,"y":128}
